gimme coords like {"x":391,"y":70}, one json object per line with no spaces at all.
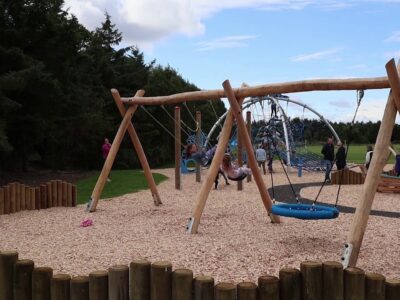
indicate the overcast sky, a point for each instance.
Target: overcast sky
{"x":263,"y":41}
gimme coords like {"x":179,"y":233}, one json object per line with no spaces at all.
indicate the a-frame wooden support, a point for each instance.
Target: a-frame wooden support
{"x":378,"y":162}
{"x":125,"y":125}
{"x":194,"y":221}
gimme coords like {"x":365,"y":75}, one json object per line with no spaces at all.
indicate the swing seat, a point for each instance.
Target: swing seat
{"x":240,"y":178}
{"x":305,"y":211}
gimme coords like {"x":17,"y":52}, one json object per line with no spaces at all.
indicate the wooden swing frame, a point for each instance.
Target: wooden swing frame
{"x":236,"y":97}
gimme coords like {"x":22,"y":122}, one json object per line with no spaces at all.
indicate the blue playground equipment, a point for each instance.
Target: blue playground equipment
{"x":305,"y":211}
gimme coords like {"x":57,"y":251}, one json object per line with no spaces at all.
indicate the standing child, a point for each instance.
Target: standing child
{"x":105,"y":149}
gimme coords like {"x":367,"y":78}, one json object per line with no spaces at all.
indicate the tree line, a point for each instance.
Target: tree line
{"x":55,"y":102}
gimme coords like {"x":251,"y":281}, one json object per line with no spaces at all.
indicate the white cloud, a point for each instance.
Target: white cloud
{"x":392,"y":54}
{"x":225,"y":42}
{"x":316,"y":55}
{"x":149,"y":21}
{"x":395,"y":37}
{"x":341,"y":103}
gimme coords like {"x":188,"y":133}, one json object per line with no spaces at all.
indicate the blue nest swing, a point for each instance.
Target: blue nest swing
{"x":305,"y":211}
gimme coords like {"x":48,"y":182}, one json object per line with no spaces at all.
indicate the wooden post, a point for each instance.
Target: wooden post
{"x":7,"y":262}
{"x":177,"y":147}
{"x":17,"y":197}
{"x":198,"y":144}
{"x":212,"y":172}
{"x":225,"y":291}
{"x":41,"y":283}
{"x":60,"y":284}
{"x":332,"y":277}
{"x":204,"y":288}
{"x":1,"y":201}
{"x":248,"y":127}
{"x":239,"y":157}
{"x":354,"y":283}
{"x":374,"y":286}
{"x":360,"y":219}
{"x":160,"y":284}
{"x":13,"y":195}
{"x":290,"y":284}
{"x":118,"y":283}
{"x":43,"y":197}
{"x":59,"y":193}
{"x":101,"y":181}
{"x":23,"y":270}
{"x":64,"y":194}
{"x":35,"y":198}
{"x":251,"y":159}
{"x":311,"y":273}
{"x":98,"y":285}
{"x":140,"y":280}
{"x":28,"y":202}
{"x":22,"y":196}
{"x":392,"y":289}
{"x":74,"y":195}
{"x":80,"y":288}
{"x":54,"y":192}
{"x":69,"y":194}
{"x":182,"y":282}
{"x":138,"y":147}
{"x":268,"y":288}
{"x":247,"y":291}
{"x":49,"y":195}
{"x":7,"y":200}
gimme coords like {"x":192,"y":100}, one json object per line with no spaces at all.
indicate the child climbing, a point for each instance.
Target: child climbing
{"x":234,"y":172}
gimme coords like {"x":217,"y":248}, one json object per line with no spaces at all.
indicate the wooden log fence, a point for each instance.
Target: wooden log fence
{"x":20,"y":279}
{"x":16,"y":196}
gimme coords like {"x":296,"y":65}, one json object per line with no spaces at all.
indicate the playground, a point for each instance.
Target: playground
{"x":236,"y":241}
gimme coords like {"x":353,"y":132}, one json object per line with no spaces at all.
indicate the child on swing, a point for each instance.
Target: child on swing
{"x":234,"y":172}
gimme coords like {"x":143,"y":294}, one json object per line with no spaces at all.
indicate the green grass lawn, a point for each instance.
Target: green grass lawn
{"x":356,"y":152}
{"x":122,"y":182}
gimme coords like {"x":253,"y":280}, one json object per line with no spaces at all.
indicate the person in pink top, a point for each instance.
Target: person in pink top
{"x":105,"y":149}
{"x":234,"y":172}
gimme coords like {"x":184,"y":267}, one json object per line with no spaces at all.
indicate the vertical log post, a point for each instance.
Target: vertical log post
{"x":49,"y":194}
{"x":247,"y":291}
{"x":118,"y":283}
{"x":59,"y":193}
{"x":22,"y":196}
{"x":354,"y":283}
{"x":360,"y":219}
{"x":212,"y":172}
{"x":23,"y":270}
{"x":311,"y":273}
{"x":35,"y":198}
{"x":251,"y":159}
{"x":28,"y":202}
{"x":225,"y":291}
{"x":54,"y":192}
{"x":69,"y":195}
{"x":392,"y":289}
{"x":161,"y":280}
{"x":7,"y":262}
{"x":332,"y":277}
{"x":138,"y":147}
{"x":41,"y":283}
{"x":98,"y":285}
{"x":60,"y":285}
{"x":198,"y":144}
{"x":239,"y":157}
{"x":18,"y":197}
{"x":374,"y":286}
{"x":2,"y":201}
{"x":13,"y":195}
{"x":64,"y":194}
{"x":80,"y":288}
{"x":204,"y":288}
{"x":248,"y":127}
{"x":43,"y":196}
{"x":140,"y":280}
{"x":177,"y":147}
{"x":182,"y":284}
{"x":290,"y":284}
{"x":268,"y":288}
{"x":7,"y":200}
